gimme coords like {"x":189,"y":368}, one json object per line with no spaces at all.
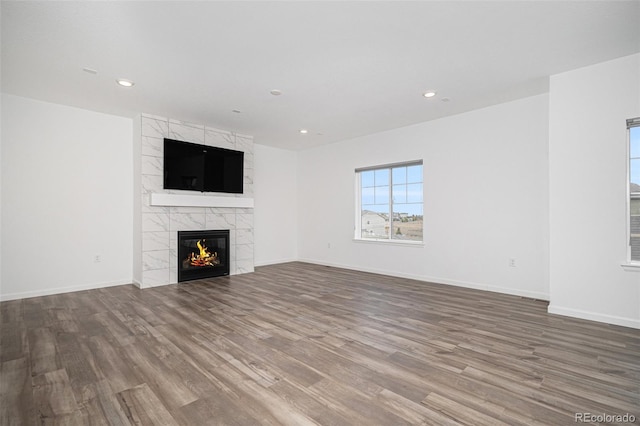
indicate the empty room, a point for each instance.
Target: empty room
{"x":320,"y":212}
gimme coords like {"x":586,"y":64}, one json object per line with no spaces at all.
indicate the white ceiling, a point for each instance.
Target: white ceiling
{"x":345,"y":69}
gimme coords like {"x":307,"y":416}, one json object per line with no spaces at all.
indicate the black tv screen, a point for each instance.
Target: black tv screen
{"x":203,"y":168}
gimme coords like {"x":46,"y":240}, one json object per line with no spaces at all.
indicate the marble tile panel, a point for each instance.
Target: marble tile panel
{"x":243,"y":236}
{"x":244,"y":143}
{"x":151,"y":183}
{"x":156,"y":259}
{"x":247,"y":177}
{"x":220,"y":220}
{"x":153,"y":222}
{"x":249,"y":161}
{"x":155,"y":277}
{"x":152,"y":147}
{"x":244,"y":220}
{"x":173,"y":276}
{"x":145,"y":202}
{"x":188,"y":132}
{"x":152,"y":165}
{"x":219,"y":138}
{"x":244,"y":267}
{"x":247,"y":190}
{"x":221,"y":210}
{"x":244,"y":252}
{"x":173,"y":250}
{"x":153,"y":127}
{"x":188,"y":209}
{"x":173,"y":259}
{"x":158,"y":240}
{"x":146,"y":206}
{"x":187,"y":221}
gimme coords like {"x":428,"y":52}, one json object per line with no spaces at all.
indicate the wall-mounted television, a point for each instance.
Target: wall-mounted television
{"x":195,"y":167}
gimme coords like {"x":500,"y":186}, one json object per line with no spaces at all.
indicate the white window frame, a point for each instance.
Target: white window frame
{"x":632,"y":264}
{"x":358,"y":210}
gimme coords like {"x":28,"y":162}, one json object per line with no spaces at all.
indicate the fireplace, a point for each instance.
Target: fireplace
{"x":203,"y":254}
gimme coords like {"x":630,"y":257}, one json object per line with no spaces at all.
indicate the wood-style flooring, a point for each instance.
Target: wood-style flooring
{"x":300,"y":344}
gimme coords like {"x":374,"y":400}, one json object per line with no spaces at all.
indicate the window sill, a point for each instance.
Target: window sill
{"x":390,"y":242}
{"x":631,"y":266}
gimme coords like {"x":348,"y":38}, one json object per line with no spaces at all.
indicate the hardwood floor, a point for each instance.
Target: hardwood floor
{"x":299,"y":344}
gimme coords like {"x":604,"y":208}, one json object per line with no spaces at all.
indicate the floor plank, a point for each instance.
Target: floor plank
{"x":302,"y":344}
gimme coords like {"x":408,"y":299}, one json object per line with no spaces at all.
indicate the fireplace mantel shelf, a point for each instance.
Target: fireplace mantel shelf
{"x":184,"y":200}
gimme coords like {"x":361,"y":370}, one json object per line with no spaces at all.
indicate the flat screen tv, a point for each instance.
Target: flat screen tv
{"x":195,"y":167}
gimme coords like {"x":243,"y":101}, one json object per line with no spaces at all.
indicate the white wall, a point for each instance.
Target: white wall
{"x":588,"y":109}
{"x":1,"y":149}
{"x":275,"y":201}
{"x":66,"y":198}
{"x":486,"y":200}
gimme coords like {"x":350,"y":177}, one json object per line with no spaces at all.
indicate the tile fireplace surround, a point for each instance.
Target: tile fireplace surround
{"x":160,"y":214}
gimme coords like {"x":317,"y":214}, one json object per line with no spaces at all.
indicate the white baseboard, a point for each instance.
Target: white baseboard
{"x":594,"y":316}
{"x":439,"y":280}
{"x":522,"y":293}
{"x":59,"y":290}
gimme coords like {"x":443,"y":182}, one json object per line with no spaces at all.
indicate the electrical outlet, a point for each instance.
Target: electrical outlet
{"x":328,"y":245}
{"x":97,"y":258}
{"x":512,"y":262}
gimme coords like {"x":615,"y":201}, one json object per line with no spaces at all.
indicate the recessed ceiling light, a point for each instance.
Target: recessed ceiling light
{"x":90,"y":70}
{"x":304,"y":131}
{"x":276,"y":92}
{"x":429,"y":94}
{"x":124,"y":82}
{"x":237,"y":111}
{"x":445,"y":99}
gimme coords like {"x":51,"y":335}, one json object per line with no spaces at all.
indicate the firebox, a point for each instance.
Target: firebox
{"x":203,"y":254}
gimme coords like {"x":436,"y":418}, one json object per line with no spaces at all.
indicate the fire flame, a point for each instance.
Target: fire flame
{"x":204,"y":258}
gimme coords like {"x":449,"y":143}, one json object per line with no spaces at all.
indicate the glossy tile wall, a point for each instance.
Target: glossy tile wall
{"x":158,"y":225}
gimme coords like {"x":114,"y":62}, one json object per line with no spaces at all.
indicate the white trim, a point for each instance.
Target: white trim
{"x":357,"y":229}
{"x":628,"y":200}
{"x":405,"y":243}
{"x":631,"y":123}
{"x":187,"y":200}
{"x":60,"y":290}
{"x":390,"y":165}
{"x":439,"y":280}
{"x":631,"y":266}
{"x":593,"y":316}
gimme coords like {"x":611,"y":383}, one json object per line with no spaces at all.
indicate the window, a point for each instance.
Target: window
{"x":633,"y":126}
{"x":389,"y":202}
